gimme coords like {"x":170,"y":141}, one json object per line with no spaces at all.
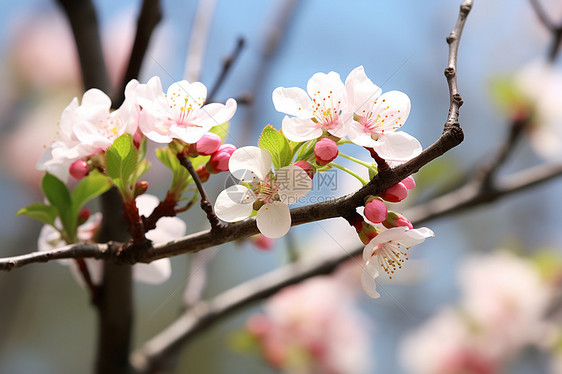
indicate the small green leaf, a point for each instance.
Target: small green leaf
{"x":88,"y":188}
{"x":121,"y":163}
{"x":277,"y":145}
{"x":306,"y":151}
{"x":181,"y":178}
{"x":221,"y":130}
{"x":58,"y":196}
{"x":507,"y":95}
{"x":40,"y":212}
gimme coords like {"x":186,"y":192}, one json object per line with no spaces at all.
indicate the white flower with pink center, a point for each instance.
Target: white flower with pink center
{"x":263,"y":190}
{"x":388,"y":251}
{"x":87,"y":129}
{"x":376,"y":117}
{"x":179,"y":113}
{"x":323,"y":109}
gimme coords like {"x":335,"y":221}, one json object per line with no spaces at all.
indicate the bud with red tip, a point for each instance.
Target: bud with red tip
{"x":203,"y":173}
{"x":306,"y":166}
{"x":138,"y":137}
{"x":326,"y":150}
{"x":365,"y":230}
{"x":219,"y":160}
{"x":395,"y":194}
{"x":83,"y":216}
{"x":140,"y":188}
{"x":79,"y":169}
{"x":375,"y":209}
{"x":207,"y":145}
{"x":394,"y":219}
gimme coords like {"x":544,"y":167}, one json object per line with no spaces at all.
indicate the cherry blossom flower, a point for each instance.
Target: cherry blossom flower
{"x":167,"y":228}
{"x":388,"y":250}
{"x":323,"y":109}
{"x":87,"y":129}
{"x":376,"y":117}
{"x":262,"y":190}
{"x":178,"y":114}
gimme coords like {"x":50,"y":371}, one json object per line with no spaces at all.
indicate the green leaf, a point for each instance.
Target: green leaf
{"x":221,"y":130}
{"x":58,"y":196}
{"x":40,"y":212}
{"x":277,"y":145}
{"x":181,"y":178}
{"x":306,"y":151}
{"x":88,"y":188}
{"x":121,"y":163}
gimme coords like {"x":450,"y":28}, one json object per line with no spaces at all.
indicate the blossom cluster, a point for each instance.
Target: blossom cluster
{"x":95,"y":141}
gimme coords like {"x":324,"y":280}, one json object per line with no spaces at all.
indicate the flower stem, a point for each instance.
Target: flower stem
{"x":361,"y":179}
{"x":356,"y":160}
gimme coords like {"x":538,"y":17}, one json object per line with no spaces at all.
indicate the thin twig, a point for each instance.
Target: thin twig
{"x":555,"y":30}
{"x":206,"y":205}
{"x":226,"y":65}
{"x":149,"y":17}
{"x":543,"y":17}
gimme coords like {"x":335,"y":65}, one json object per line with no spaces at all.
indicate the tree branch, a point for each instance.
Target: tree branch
{"x":149,"y":17}
{"x":84,"y":23}
{"x":226,"y":65}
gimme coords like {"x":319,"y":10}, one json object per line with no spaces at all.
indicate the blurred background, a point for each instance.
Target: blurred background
{"x":47,"y":323}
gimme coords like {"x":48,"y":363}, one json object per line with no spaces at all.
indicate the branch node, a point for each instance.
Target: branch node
{"x":450,"y":72}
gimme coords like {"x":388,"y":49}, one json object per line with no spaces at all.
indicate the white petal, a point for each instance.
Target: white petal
{"x":293,"y":101}
{"x":189,"y":134}
{"x":393,"y":107}
{"x":167,"y":229}
{"x":345,"y":120}
{"x":156,"y":272}
{"x":234,"y":204}
{"x":397,"y":146}
{"x":96,"y":98}
{"x":250,"y":163}
{"x":154,"y":129}
{"x":300,"y":129}
{"x":321,"y":85}
{"x":360,"y":136}
{"x":293,"y":183}
{"x":215,"y":114}
{"x":368,"y":279}
{"x":394,"y":234}
{"x":146,"y":204}
{"x":274,"y":220}
{"x":185,"y":94}
{"x":361,"y":91}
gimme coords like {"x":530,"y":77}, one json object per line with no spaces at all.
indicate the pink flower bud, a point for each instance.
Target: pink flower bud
{"x":394,"y":219}
{"x":375,"y":210}
{"x":79,"y":169}
{"x":306,"y":166}
{"x":208,"y":144}
{"x":83,"y":216}
{"x":138,"y":137}
{"x":367,"y":232}
{"x":219,"y":160}
{"x":140,"y":188}
{"x":396,"y":193}
{"x":326,"y":150}
{"x":262,"y":242}
{"x":203,"y":173}
{"x":409,"y":183}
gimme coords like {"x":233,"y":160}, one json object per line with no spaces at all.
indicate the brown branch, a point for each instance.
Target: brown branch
{"x":206,"y":205}
{"x":555,"y":30}
{"x":149,"y":17}
{"x":84,"y":23}
{"x":226,"y":65}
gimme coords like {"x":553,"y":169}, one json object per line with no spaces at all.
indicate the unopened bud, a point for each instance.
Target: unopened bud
{"x":138,"y":137}
{"x":306,"y":166}
{"x":79,"y":169}
{"x":83,"y":216}
{"x":208,"y":144}
{"x":375,"y":209}
{"x":409,"y":183}
{"x":326,"y":150}
{"x":395,"y":194}
{"x":394,"y":219}
{"x":140,"y":188}
{"x":367,"y":232}
{"x":219,"y":160}
{"x":203,"y":173}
